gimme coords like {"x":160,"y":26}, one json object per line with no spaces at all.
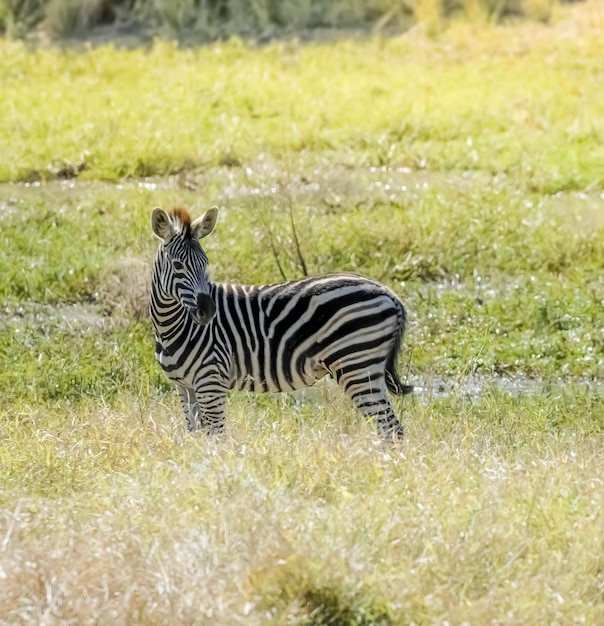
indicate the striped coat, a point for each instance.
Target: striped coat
{"x":214,"y":337}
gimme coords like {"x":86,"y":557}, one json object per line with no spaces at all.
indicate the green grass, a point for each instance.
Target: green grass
{"x":397,"y":102}
{"x":465,"y":172}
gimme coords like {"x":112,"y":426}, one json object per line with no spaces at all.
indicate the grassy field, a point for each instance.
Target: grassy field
{"x":466,"y":172}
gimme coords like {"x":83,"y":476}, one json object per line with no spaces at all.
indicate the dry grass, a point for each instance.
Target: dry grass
{"x":298,"y":516}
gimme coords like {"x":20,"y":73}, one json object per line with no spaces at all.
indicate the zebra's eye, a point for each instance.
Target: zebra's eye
{"x":178,"y":266}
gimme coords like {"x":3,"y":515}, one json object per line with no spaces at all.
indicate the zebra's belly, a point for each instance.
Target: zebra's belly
{"x":275,"y":384}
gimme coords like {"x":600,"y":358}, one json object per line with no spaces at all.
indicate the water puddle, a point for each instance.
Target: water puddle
{"x":58,"y":317}
{"x":473,"y":386}
{"x":430,"y":388}
{"x":328,"y":183}
{"x":318,"y":181}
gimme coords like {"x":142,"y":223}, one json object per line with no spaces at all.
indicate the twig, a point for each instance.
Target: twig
{"x":267,"y":225}
{"x":275,"y":252}
{"x":293,"y":224}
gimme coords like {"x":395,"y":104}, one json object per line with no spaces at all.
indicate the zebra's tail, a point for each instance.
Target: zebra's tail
{"x":393,"y":382}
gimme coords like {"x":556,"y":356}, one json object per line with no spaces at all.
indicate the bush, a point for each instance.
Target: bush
{"x":207,"y":20}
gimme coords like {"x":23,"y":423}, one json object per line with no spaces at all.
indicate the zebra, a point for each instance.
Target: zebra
{"x":212,"y":337}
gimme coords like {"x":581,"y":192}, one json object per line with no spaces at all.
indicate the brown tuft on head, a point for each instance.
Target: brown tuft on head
{"x":183,"y":219}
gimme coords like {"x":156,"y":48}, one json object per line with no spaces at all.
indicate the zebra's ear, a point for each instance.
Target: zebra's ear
{"x":204,"y":225}
{"x":161,"y":224}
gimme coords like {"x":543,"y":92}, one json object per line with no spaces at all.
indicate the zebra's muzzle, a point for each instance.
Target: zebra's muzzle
{"x":206,"y":309}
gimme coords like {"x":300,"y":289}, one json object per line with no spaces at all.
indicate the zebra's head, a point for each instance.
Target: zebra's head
{"x":181,"y":265}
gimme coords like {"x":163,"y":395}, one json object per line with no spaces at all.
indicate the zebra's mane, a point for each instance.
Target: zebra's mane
{"x":182,"y":220}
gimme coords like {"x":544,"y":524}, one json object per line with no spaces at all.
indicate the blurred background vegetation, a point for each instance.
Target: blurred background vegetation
{"x":206,"y":20}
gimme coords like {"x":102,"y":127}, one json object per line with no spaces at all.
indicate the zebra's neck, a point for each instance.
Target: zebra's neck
{"x":173,"y":324}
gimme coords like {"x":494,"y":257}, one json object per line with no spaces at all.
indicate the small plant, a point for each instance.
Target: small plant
{"x":327,"y":607}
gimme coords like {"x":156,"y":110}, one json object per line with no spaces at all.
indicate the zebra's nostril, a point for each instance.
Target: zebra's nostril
{"x":206,"y":309}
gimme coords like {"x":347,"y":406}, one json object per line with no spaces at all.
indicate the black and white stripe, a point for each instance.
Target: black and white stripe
{"x":214,"y":337}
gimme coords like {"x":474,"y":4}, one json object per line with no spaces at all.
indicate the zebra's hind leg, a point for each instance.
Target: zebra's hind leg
{"x":388,"y":425}
{"x":367,"y":390}
{"x":190,"y":407}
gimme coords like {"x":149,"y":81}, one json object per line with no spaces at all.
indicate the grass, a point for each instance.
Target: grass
{"x":433,"y":165}
{"x":488,"y":515}
{"x":414,"y":104}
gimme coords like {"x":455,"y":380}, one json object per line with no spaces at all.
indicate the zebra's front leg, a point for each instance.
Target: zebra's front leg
{"x":211,"y":399}
{"x":190,"y":407}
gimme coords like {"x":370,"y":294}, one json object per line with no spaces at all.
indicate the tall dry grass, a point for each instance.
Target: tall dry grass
{"x":300,"y":516}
